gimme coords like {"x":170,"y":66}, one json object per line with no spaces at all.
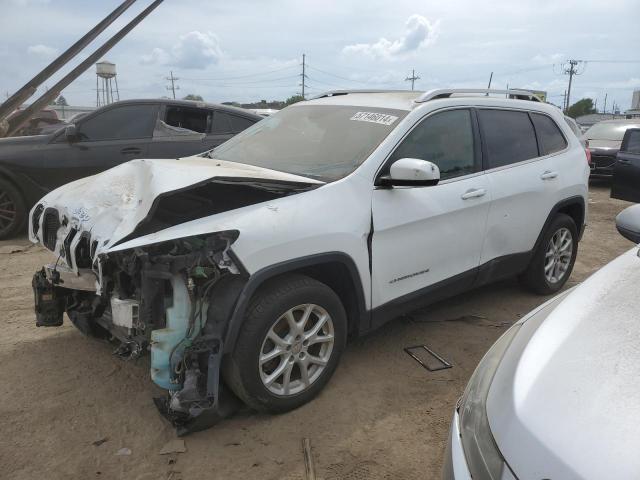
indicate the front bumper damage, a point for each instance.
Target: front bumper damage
{"x":160,"y":299}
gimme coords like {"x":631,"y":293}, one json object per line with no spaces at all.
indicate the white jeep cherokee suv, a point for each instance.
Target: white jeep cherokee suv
{"x":246,"y":268}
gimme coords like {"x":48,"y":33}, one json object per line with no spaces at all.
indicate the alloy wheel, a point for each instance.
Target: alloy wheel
{"x":296,"y":349}
{"x":558,"y":255}
{"x":8,"y":212}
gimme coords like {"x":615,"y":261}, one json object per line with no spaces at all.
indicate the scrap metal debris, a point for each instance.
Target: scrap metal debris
{"x":413,"y":353}
{"x":173,"y":446}
{"x":100,"y":441}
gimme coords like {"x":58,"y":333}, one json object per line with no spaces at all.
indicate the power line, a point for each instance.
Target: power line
{"x":257,"y":74}
{"x":173,"y":87}
{"x":412,"y":78}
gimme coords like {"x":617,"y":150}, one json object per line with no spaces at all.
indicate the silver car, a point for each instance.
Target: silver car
{"x":557,"y":396}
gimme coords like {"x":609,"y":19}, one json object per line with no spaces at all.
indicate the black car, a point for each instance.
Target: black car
{"x":626,"y":171}
{"x":32,"y":166}
{"x":604,"y":139}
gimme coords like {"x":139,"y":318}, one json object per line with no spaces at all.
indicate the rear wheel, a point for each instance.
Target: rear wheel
{"x":290,"y":344}
{"x":553,"y":261}
{"x":12,"y":210}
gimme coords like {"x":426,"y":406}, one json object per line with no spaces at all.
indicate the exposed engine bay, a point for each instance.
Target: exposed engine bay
{"x":154,"y":299}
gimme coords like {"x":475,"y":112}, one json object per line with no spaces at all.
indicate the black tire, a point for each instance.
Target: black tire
{"x":13,"y":211}
{"x":534,"y":277}
{"x":270,"y":302}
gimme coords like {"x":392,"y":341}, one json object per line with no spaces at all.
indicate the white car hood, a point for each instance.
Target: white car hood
{"x":111,"y":204}
{"x":565,"y":398}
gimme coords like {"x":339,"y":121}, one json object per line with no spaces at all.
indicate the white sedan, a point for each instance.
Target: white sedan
{"x":556,"y":397}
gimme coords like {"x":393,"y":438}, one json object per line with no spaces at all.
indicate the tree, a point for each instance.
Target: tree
{"x":294,"y":99}
{"x":61,"y":101}
{"x":581,"y":107}
{"x":196,"y":98}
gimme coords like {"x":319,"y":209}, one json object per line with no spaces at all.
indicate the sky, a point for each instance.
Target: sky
{"x":248,"y":50}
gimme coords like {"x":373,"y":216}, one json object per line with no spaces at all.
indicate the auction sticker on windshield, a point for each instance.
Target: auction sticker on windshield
{"x":373,"y":117}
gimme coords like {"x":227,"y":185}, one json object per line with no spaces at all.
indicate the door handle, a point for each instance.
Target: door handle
{"x":473,"y":193}
{"x":130,"y":151}
{"x":548,"y":175}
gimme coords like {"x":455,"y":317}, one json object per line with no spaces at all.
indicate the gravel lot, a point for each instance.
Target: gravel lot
{"x":382,"y":416}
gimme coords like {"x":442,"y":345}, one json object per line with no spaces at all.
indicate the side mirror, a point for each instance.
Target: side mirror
{"x":628,"y":223}
{"x":71,"y":132}
{"x":411,"y":172}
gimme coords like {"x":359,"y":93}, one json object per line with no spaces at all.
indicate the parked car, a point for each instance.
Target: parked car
{"x":554,"y":396}
{"x":626,"y":172}
{"x":320,"y":222}
{"x":32,"y":166}
{"x":604,"y":139}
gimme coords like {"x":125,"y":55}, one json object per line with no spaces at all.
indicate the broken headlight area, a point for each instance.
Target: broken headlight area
{"x":158,"y":299}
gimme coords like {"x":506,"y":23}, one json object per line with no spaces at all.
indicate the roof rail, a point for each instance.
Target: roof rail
{"x":332,"y":93}
{"x":447,"y":92}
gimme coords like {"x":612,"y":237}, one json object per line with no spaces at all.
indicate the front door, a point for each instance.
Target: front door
{"x":427,"y":240}
{"x":106,"y":139}
{"x":626,"y":171}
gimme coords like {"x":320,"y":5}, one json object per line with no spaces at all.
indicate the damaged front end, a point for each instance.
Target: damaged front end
{"x":157,"y":298}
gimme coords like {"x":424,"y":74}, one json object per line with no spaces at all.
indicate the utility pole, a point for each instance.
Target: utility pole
{"x":303,"y":75}
{"x":173,"y":86}
{"x":571,"y":70}
{"x":490,"y":78}
{"x":564,"y":101}
{"x":412,"y":78}
{"x":605,"y":103}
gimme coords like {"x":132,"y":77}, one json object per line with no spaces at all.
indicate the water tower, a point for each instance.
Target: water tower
{"x":105,"y":80}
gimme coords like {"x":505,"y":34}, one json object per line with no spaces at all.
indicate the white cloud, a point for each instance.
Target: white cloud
{"x":195,"y":50}
{"x":419,"y":33}
{"x":42,"y":50}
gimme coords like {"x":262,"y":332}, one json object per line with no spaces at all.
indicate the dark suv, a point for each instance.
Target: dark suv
{"x":32,"y":166}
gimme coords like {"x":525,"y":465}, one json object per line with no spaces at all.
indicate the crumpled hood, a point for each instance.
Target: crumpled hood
{"x":565,"y":398}
{"x":111,"y":204}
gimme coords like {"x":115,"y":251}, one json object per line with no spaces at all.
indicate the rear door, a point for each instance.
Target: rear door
{"x":523,"y":181}
{"x":626,"y":171}
{"x":181,"y":131}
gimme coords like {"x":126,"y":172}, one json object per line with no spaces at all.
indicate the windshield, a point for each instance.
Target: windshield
{"x":609,"y":131}
{"x":327,"y":142}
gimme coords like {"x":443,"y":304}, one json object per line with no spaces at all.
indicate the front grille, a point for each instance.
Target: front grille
{"x":50,"y":226}
{"x":67,"y":245}
{"x":602,"y":161}
{"x":35,"y":218}
{"x":83,"y":251}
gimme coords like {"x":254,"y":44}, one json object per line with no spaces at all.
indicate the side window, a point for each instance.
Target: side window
{"x":239,"y":124}
{"x":633,"y":142}
{"x":195,"y":119}
{"x":221,"y":123}
{"x":508,"y":136}
{"x":445,"y":139}
{"x":122,"y":123}
{"x":550,"y":137}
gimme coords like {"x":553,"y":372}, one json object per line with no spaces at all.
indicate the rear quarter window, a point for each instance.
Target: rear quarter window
{"x":509,"y":137}
{"x":549,"y":135}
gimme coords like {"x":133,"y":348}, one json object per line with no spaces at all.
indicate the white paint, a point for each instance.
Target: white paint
{"x":564,"y":398}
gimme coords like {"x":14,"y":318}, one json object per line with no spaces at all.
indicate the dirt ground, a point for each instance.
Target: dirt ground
{"x":382,"y":416}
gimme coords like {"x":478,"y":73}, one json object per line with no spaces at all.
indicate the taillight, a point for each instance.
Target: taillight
{"x":587,"y":151}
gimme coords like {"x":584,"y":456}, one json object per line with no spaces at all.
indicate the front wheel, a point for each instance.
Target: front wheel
{"x":294,"y":332}
{"x":553,"y":261}
{"x":13,"y":211}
